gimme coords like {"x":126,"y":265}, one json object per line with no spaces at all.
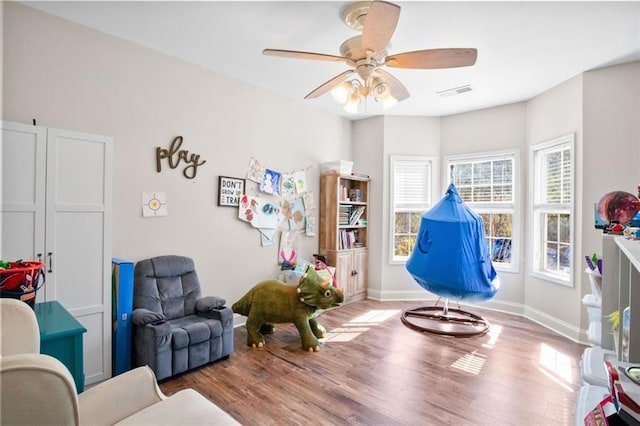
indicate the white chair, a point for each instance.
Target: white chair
{"x":20,"y":331}
{"x":37,"y":389}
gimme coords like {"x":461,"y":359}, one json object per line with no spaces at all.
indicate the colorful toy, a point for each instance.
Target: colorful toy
{"x":594,"y":262}
{"x":618,"y":206}
{"x":272,"y":301}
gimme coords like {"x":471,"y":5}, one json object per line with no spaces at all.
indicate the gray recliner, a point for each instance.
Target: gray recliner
{"x":174,"y":328}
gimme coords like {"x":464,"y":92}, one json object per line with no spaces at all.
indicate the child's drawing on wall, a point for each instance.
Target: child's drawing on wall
{"x":288,"y":244}
{"x":260,"y":212}
{"x":300,"y":178}
{"x":256,"y":171}
{"x":270,"y":182}
{"x":288,"y":185}
{"x":293,"y":211}
{"x":309,"y":204}
{"x":311,"y":226}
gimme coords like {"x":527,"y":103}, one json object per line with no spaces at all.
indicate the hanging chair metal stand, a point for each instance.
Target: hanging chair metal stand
{"x":445,"y":320}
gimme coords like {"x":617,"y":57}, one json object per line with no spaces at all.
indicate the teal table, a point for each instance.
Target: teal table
{"x":61,"y":337}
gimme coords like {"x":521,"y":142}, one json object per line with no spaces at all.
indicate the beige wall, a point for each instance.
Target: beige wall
{"x":374,"y":140}
{"x":368,"y":144}
{"x":404,"y":136}
{"x":68,"y":76}
{"x":555,"y":113}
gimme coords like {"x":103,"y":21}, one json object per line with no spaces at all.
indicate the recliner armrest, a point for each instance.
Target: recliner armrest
{"x":222,"y":314}
{"x":119,"y":397}
{"x":209,"y":303}
{"x":142,"y":316}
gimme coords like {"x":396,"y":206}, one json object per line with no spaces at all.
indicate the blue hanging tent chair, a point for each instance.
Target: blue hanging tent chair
{"x":451,"y":259}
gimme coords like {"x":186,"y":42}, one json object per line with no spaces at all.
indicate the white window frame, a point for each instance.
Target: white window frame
{"x":512,"y":207}
{"x":393,"y":159}
{"x":538,"y":208}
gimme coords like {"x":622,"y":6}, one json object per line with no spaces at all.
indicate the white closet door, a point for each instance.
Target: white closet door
{"x":22,"y":215}
{"x":78,"y":238}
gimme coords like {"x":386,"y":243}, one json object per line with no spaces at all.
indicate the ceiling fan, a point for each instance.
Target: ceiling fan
{"x":366,"y":54}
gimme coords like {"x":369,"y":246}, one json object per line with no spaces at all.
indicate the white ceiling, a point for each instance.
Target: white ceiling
{"x":524,"y":48}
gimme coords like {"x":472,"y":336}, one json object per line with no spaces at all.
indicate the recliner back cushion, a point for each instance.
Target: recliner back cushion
{"x":167,"y":284}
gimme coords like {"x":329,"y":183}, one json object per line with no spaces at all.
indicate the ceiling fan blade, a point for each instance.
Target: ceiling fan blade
{"x":303,"y":55}
{"x":397,"y":89}
{"x":433,"y":58}
{"x":328,"y":85}
{"x":379,"y":25}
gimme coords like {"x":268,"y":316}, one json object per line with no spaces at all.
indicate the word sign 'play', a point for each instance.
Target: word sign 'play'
{"x":175,"y":155}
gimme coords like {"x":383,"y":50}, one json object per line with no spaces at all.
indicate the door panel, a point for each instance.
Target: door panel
{"x":22,"y":189}
{"x":78,"y":233}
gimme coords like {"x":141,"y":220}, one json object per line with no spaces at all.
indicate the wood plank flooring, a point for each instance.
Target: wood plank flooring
{"x":373,"y":370}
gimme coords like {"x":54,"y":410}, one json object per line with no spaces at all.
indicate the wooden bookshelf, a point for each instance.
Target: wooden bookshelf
{"x":343,"y":230}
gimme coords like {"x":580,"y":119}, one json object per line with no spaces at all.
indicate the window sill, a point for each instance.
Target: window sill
{"x":506,"y":268}
{"x":566,"y":282}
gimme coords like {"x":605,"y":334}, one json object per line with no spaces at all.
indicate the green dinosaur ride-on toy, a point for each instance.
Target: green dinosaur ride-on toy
{"x":273,"y":302}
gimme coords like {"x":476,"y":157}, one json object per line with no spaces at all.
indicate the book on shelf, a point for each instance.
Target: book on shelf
{"x":349,"y":240}
{"x":356,"y":214}
{"x":343,"y":215}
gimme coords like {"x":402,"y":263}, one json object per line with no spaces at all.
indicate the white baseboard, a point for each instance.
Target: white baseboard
{"x":561,"y":327}
{"x":398,"y":295}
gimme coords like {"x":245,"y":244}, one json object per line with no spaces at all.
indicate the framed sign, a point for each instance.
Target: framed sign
{"x":229,"y":191}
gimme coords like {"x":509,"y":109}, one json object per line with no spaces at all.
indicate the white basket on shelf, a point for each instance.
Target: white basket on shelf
{"x":595,"y":279}
{"x":340,"y":167}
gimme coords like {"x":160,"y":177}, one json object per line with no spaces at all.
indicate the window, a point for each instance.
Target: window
{"x":486,"y":184}
{"x":552,"y":209}
{"x":410,"y":198}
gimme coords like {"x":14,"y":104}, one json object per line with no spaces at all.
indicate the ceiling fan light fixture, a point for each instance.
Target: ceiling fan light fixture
{"x":352,"y":103}
{"x":380,"y":89}
{"x":389,"y":102}
{"x":382,"y":93}
{"x":341,"y":92}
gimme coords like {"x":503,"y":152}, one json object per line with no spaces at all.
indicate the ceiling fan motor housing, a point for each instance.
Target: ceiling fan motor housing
{"x":352,"y":49}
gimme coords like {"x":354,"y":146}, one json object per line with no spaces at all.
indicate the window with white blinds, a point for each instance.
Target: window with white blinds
{"x":486,"y":184}
{"x":411,"y":179}
{"x":553,"y":182}
{"x":555,"y":175}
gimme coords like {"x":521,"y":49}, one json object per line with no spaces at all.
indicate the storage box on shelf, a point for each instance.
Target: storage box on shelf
{"x":592,"y":367}
{"x":343,"y":230}
{"x":593,"y":304}
{"x":340,"y":167}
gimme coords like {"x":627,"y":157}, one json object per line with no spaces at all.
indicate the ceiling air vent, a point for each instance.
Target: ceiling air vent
{"x":455,"y":91}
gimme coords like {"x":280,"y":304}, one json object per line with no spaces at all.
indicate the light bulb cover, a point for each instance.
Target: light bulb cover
{"x":352,"y":104}
{"x":389,"y":102}
{"x":341,"y":92}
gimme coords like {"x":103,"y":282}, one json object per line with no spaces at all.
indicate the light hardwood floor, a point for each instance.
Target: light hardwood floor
{"x":373,"y":370}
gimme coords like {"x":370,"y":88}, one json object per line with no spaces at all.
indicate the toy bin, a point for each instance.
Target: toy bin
{"x":21,"y":280}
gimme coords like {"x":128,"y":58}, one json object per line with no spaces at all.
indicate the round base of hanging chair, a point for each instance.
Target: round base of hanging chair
{"x":455,"y":322}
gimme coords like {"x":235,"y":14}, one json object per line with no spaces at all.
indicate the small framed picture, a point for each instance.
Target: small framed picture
{"x":230,"y":190}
